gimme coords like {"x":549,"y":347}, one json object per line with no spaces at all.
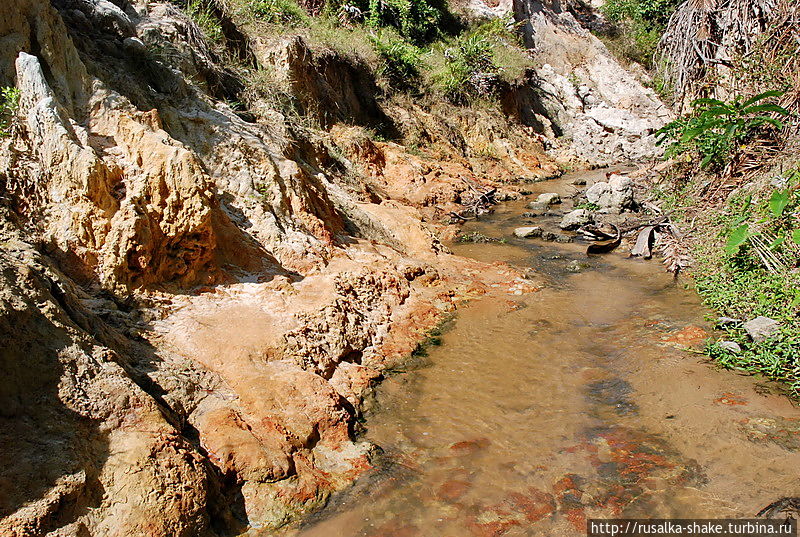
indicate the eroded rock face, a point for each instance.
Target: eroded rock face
{"x":72,"y":412}
{"x":193,"y":306}
{"x":604,"y":114}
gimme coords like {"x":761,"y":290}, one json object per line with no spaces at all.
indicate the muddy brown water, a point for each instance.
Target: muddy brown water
{"x":539,"y":411}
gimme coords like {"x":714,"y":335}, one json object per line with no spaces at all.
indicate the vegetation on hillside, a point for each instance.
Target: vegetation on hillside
{"x":736,"y":176}
{"x":749,"y":270}
{"x":413,"y":46}
{"x":9,"y":101}
{"x":640,"y":25}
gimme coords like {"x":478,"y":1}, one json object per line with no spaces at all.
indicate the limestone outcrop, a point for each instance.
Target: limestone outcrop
{"x":598,"y":112}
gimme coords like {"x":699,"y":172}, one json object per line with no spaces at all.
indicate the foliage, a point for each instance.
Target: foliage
{"x":642,"y":23}
{"x":715,"y":128}
{"x":469,"y":64}
{"x":777,"y":230}
{"x":776,"y":358}
{"x":745,"y":291}
{"x":654,"y":12}
{"x":735,"y":281}
{"x":202,"y":14}
{"x":400,"y":60}
{"x":278,"y":11}
{"x":416,"y":20}
{"x":500,"y":28}
{"x":9,"y":103}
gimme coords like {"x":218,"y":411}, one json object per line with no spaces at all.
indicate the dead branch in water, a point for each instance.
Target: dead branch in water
{"x":480,"y":204}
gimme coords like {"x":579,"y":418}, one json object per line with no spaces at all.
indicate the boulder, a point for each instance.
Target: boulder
{"x":548,"y":199}
{"x":730,"y":346}
{"x":544,"y":201}
{"x":575,"y":219}
{"x":528,"y":231}
{"x":613,"y":196}
{"x":761,"y":328}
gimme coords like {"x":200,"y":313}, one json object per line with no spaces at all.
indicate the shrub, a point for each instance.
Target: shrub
{"x":278,"y":11}
{"x":642,"y":24}
{"x":202,"y":14}
{"x":417,"y":20}
{"x":469,"y":68}
{"x":9,"y":103}
{"x":716,"y":128}
{"x":399,"y":59}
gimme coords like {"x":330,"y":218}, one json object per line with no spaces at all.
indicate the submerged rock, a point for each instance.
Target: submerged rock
{"x":576,"y":266}
{"x":550,"y":236}
{"x":528,"y":231}
{"x":761,"y":328}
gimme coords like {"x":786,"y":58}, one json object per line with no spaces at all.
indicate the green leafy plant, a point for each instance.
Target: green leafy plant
{"x":202,"y":14}
{"x":9,"y":103}
{"x":416,"y":20}
{"x":716,"y":128}
{"x":400,"y":60}
{"x":469,"y":64}
{"x":769,"y":234}
{"x":641,"y":24}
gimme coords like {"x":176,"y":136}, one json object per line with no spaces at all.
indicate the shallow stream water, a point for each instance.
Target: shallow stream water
{"x":576,"y":401}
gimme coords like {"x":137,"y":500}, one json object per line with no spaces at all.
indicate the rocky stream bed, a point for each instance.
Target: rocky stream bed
{"x":581,"y":398}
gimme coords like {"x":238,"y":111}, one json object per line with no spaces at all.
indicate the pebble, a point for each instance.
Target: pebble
{"x":730,"y":346}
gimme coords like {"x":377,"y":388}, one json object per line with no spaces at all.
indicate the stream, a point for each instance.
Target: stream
{"x":577,"y":401}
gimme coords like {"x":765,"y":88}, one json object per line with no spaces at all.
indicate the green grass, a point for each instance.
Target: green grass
{"x":202,"y":14}
{"x":400,"y":60}
{"x":745,"y":293}
{"x":737,"y":285}
{"x":278,"y":12}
